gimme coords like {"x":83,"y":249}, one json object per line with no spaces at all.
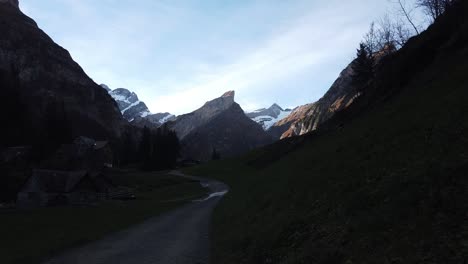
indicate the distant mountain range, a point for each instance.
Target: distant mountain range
{"x":136,"y":111}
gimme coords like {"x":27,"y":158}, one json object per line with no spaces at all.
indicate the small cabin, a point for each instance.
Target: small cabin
{"x":60,"y":188}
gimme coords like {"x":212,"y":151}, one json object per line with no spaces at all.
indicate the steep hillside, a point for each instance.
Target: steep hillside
{"x":47,"y":85}
{"x":307,"y":118}
{"x":382,"y":182}
{"x":288,"y":124}
{"x":219,"y":125}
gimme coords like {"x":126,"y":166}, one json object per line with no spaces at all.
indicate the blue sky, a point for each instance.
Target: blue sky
{"x":178,"y":54}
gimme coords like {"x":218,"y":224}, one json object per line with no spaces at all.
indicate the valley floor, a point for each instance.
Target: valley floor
{"x":180,"y":236}
{"x":31,"y":236}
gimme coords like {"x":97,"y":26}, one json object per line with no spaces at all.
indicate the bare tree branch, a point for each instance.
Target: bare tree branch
{"x":407,"y":14}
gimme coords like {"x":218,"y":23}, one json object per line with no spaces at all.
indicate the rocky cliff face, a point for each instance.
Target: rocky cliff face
{"x":291,"y":122}
{"x":45,"y":74}
{"x":309,"y":117}
{"x":219,"y":125}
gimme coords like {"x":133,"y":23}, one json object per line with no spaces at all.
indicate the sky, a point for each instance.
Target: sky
{"x":178,"y":54}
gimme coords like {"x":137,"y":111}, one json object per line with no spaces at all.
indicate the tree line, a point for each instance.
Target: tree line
{"x":153,"y":149}
{"x":391,"y":33}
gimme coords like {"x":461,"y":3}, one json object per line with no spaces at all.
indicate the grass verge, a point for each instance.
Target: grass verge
{"x":30,"y":236}
{"x":388,"y":187}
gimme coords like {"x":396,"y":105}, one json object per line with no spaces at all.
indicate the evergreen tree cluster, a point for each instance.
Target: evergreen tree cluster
{"x":158,"y":149}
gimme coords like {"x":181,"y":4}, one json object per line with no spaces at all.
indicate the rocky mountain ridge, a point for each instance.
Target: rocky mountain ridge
{"x":186,"y":123}
{"x":136,"y":111}
{"x":219,"y":125}
{"x":307,"y":118}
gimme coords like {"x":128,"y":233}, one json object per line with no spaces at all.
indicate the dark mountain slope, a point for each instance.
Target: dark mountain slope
{"x":382,"y":182}
{"x":47,"y":82}
{"x":230,"y":133}
{"x":219,"y":125}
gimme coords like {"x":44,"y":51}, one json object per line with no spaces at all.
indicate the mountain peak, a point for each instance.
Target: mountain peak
{"x":14,"y":3}
{"x":229,"y":94}
{"x":276,"y":106}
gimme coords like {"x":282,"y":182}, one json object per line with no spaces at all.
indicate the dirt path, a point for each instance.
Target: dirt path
{"x":177,"y":237}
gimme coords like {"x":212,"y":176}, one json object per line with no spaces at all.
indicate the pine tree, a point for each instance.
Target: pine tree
{"x":215,"y":155}
{"x":363,"y":68}
{"x":146,"y":147}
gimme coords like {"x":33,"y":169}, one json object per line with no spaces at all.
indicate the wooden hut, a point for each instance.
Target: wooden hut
{"x":57,"y":188}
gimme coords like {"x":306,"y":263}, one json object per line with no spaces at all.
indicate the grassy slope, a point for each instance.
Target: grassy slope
{"x":389,"y":187}
{"x":31,"y":235}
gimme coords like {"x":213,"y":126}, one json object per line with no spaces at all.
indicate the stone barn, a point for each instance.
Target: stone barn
{"x":59,"y":188}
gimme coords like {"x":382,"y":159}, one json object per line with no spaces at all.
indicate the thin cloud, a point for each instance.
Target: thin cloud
{"x":176,"y":56}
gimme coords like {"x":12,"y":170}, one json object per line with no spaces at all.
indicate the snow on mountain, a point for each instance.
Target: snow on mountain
{"x":129,"y":104}
{"x":267,"y":117}
{"x":167,"y":118}
{"x":135,"y":110}
{"x":160,"y":118}
{"x":268,"y":121}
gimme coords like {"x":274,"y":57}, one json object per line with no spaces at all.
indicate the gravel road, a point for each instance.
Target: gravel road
{"x":181,"y":236}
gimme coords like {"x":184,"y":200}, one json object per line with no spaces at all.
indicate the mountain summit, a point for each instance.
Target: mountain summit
{"x":129,"y":104}
{"x":188,"y":122}
{"x":219,"y":125}
{"x":136,"y":111}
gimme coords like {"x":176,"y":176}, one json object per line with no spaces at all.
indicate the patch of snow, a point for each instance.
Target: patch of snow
{"x":130,"y":106}
{"x":145,"y":113}
{"x":119,"y":97}
{"x":268,"y":121}
{"x":165,"y":119}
